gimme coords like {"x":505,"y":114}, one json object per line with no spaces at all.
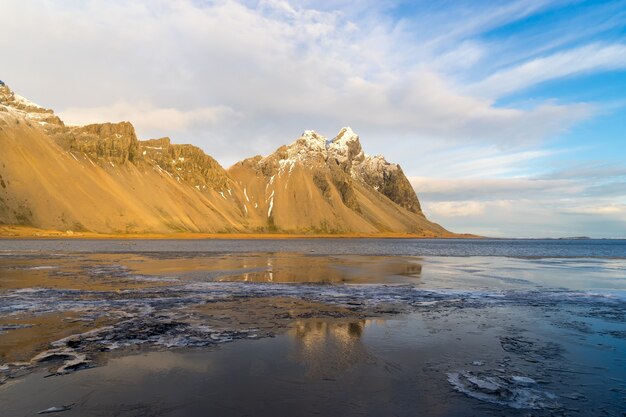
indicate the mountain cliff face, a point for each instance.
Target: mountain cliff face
{"x":384,"y":177}
{"x":102,"y":178}
{"x":187,"y":162}
{"x":318,"y":185}
{"x":115,"y":142}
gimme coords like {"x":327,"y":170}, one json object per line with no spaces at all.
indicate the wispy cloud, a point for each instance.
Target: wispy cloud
{"x":618,"y":210}
{"x":594,"y":57}
{"x":477,"y":189}
{"x":465,"y":22}
{"x":469,"y":208}
{"x":590,"y":169}
{"x":147,"y":117}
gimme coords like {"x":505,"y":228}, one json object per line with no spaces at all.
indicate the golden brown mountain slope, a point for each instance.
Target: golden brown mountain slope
{"x":314,"y":185}
{"x":101,"y":178}
{"x":96,"y":178}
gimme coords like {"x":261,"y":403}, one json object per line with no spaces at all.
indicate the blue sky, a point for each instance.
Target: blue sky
{"x":508,"y":117}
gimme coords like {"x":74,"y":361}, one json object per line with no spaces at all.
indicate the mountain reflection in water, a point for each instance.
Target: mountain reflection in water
{"x":328,"y":348}
{"x":286,"y":268}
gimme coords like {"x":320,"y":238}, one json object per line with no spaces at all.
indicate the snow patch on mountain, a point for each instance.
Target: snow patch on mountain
{"x":25,"y":102}
{"x":18,"y":107}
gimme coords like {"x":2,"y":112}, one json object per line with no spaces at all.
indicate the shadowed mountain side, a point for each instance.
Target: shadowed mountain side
{"x":101,"y":178}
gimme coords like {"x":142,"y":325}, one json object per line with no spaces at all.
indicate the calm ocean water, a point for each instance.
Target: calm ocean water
{"x":288,"y":327}
{"x":516,"y":248}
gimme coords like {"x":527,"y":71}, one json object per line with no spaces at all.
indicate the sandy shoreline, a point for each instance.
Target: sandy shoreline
{"x":21,"y":232}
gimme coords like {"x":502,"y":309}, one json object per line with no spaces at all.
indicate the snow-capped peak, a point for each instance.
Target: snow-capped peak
{"x":312,"y":141}
{"x":346,"y":134}
{"x":312,"y":135}
{"x":346,"y":148}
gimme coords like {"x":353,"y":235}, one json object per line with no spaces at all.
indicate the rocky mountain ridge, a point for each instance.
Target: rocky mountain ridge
{"x":102,"y":178}
{"x":19,"y":106}
{"x":345,"y":153}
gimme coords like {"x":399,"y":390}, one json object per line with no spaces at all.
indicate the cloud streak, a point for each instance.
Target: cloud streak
{"x":145,"y":117}
{"x":438,"y":189}
{"x":588,"y":58}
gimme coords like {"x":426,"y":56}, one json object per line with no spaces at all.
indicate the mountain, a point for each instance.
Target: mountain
{"x":101,"y":178}
{"x":329,"y":187}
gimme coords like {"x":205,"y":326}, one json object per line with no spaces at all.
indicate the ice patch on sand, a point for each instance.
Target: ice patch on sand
{"x":72,"y":360}
{"x":513,"y":391}
{"x":37,"y":268}
{"x":77,"y":351}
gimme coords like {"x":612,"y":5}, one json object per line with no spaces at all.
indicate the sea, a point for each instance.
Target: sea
{"x":317,"y":326}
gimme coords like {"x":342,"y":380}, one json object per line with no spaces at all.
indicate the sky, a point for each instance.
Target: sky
{"x":508,"y":117}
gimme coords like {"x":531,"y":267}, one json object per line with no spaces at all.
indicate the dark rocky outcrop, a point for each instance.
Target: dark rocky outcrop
{"x":389,"y":180}
{"x":386,"y":178}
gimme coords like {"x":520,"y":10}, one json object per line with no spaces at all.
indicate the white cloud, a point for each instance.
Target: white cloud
{"x":590,"y":169}
{"x":425,"y":103}
{"x":456,"y":208}
{"x":534,"y":218}
{"x":438,"y":189}
{"x":617,"y":210}
{"x":476,"y":161}
{"x":148,"y":118}
{"x":281,"y":66}
{"x":594,"y":57}
{"x":527,"y":207}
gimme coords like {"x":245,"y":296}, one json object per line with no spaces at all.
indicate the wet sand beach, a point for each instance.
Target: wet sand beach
{"x":363,"y":327}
